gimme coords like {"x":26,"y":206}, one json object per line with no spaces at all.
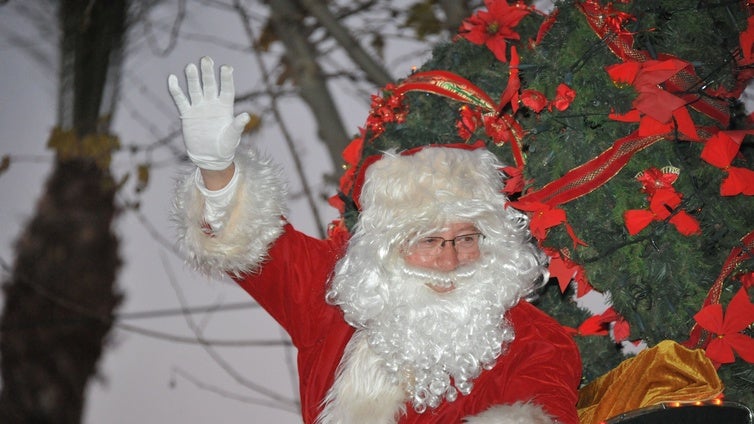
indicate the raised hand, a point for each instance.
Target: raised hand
{"x":210,"y":131}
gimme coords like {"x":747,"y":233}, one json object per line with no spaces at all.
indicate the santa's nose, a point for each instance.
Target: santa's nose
{"x":447,"y":260}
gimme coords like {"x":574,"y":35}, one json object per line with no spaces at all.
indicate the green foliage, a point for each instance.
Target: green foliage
{"x":657,"y":279}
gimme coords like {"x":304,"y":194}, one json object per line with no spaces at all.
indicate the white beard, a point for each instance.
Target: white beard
{"x":422,"y":346}
{"x":435,"y":344}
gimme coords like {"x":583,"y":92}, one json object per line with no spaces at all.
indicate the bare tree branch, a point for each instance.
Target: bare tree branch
{"x":375,"y":72}
{"x":283,"y":401}
{"x":301,"y":55}
{"x":455,"y":12}
{"x":281,"y":122}
{"x":226,"y":394}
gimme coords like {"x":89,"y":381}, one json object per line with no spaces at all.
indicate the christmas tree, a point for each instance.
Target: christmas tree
{"x":628,"y":146}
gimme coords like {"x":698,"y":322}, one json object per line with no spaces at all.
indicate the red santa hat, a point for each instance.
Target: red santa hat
{"x":424,"y":188}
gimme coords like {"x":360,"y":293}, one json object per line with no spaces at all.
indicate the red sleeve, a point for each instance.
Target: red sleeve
{"x":291,"y":283}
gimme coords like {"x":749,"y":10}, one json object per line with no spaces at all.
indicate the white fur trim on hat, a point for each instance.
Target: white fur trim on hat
{"x":254,"y":221}
{"x":517,"y":413}
{"x":434,"y":186}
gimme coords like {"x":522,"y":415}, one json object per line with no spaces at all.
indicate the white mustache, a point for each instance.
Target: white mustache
{"x":443,"y":279}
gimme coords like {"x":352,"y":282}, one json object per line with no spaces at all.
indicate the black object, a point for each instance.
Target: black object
{"x":724,"y":413}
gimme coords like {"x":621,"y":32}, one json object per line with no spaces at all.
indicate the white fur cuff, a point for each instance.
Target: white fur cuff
{"x":254,"y":219}
{"x":518,"y":413}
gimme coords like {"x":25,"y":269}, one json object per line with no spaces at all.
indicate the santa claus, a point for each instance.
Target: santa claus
{"x":421,"y":315}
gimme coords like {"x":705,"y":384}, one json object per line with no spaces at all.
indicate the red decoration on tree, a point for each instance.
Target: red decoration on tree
{"x":515,"y":182}
{"x":747,"y":280}
{"x":544,"y":217}
{"x":719,"y":151}
{"x":657,"y":105}
{"x":385,"y":110}
{"x":510,"y":94}
{"x":533,"y":99}
{"x":565,"y":270}
{"x":738,"y":255}
{"x":494,"y":26}
{"x":564,"y":96}
{"x":599,"y":325}
{"x":545,"y":27}
{"x":728,"y":328}
{"x":351,"y":155}
{"x":663,"y":204}
{"x":608,"y":23}
{"x":470,"y":120}
{"x":746,"y":60}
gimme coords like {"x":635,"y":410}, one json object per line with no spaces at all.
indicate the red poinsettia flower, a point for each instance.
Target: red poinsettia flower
{"x":728,"y":328}
{"x":494,"y":26}
{"x":654,"y":179}
{"x":564,"y":96}
{"x":502,"y":128}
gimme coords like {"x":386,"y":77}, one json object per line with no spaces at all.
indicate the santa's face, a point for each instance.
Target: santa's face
{"x":442,"y":321}
{"x":431,"y":306}
{"x":444,"y":252}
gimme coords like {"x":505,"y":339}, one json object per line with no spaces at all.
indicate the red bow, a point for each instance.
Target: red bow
{"x":544,"y":217}
{"x":728,"y":327}
{"x":663,"y":204}
{"x":658,"y":108}
{"x":566,"y":270}
{"x":719,"y":151}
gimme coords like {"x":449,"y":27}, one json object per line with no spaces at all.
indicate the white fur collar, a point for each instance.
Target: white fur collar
{"x":363,"y":391}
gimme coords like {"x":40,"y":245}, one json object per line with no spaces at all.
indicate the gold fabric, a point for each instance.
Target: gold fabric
{"x":667,"y":372}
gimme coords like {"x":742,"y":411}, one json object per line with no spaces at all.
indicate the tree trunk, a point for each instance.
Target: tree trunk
{"x":301,"y":55}
{"x":61,"y":296}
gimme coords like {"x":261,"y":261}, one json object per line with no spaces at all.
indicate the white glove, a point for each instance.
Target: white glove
{"x":210,"y":132}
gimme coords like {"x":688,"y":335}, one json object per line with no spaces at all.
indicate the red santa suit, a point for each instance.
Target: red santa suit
{"x":287,"y":273}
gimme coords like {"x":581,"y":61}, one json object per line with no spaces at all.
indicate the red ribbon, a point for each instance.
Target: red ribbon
{"x":621,"y":44}
{"x":456,"y":87}
{"x":447,"y":84}
{"x":586,"y":178}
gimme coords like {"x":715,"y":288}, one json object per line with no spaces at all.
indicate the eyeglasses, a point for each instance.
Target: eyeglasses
{"x":463,"y":244}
